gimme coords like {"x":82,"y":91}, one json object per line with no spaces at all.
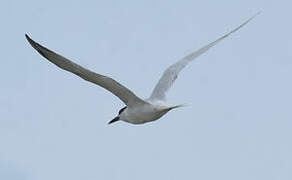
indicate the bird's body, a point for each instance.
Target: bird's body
{"x":137,"y":111}
{"x":143,"y":113}
{"x":150,"y":111}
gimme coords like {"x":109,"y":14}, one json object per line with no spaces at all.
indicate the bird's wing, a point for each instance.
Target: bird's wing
{"x":171,"y":73}
{"x":127,"y":96}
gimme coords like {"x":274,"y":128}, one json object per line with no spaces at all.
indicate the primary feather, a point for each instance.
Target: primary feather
{"x":170,"y":74}
{"x":127,"y":96}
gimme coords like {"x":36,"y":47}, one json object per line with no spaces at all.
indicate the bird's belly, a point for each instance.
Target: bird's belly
{"x":144,"y":115}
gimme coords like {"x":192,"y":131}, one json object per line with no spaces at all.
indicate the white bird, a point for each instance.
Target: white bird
{"x":137,"y":110}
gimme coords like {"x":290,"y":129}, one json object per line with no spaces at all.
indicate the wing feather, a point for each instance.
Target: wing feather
{"x":123,"y":93}
{"x":171,"y":73}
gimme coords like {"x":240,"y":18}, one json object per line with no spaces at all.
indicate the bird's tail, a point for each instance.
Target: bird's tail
{"x":180,"y":105}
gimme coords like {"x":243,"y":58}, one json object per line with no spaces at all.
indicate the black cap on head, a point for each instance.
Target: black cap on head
{"x":121,"y":110}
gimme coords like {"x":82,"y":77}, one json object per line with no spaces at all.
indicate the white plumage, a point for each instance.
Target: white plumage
{"x":137,"y":110}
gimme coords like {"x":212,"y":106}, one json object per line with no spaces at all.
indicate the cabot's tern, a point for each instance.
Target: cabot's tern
{"x":137,"y":110}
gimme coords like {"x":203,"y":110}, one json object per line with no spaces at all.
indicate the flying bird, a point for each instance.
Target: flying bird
{"x":137,"y":110}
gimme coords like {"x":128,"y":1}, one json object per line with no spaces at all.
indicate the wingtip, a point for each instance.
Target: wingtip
{"x":36,"y":46}
{"x":259,"y":12}
{"x":26,"y":36}
{"x":247,"y":21}
{"x":256,"y":14}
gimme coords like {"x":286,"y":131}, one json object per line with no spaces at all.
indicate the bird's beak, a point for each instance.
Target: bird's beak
{"x":114,"y":120}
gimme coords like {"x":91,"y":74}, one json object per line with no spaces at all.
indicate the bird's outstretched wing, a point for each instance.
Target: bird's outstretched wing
{"x":171,"y":73}
{"x":127,"y":96}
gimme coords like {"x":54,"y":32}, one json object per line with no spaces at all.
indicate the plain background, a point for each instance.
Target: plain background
{"x":53,"y":125}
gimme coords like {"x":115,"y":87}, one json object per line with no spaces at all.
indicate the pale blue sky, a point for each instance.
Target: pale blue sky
{"x":238,"y":126}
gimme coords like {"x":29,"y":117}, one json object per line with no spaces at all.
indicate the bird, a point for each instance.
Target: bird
{"x":136,"y":110}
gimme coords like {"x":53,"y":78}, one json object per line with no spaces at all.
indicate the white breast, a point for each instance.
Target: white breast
{"x":144,"y":113}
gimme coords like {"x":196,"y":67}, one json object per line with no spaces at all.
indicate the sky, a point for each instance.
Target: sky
{"x":53,"y":124}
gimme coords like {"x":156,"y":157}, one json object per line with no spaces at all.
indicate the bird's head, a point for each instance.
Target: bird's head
{"x":118,"y":117}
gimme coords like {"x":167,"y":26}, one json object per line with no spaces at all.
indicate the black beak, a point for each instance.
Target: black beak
{"x":114,"y":120}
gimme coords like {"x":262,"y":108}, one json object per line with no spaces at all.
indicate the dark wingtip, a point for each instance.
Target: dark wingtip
{"x":27,"y":37}
{"x":36,"y":46}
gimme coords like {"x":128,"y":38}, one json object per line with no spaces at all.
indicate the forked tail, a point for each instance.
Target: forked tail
{"x":177,"y":106}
